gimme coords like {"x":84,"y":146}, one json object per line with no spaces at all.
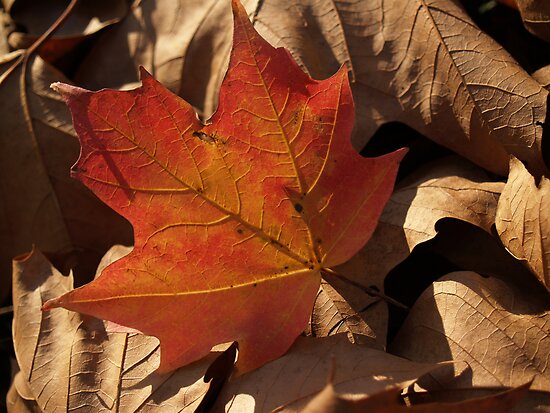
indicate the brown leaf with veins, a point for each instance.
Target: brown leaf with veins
{"x":70,"y":362}
{"x":389,"y":401}
{"x":157,"y":35}
{"x":451,"y":187}
{"x":333,"y":314}
{"x":40,"y":203}
{"x":288,"y":383}
{"x":424,"y":63}
{"x":523,"y":220}
{"x":501,"y":332}
{"x":542,"y":76}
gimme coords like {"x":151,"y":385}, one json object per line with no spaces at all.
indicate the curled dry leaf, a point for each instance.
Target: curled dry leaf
{"x":70,"y":362}
{"x":536,"y":16}
{"x":40,"y":204}
{"x":523,"y":220}
{"x":235,"y":220}
{"x":35,"y":17}
{"x":157,"y":35}
{"x":290,"y":382}
{"x":503,"y":334}
{"x":389,"y":401}
{"x":543,"y":76}
{"x":449,"y":188}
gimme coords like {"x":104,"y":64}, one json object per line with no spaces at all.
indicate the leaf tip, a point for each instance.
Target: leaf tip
{"x":143,"y":73}
{"x":239,"y":12}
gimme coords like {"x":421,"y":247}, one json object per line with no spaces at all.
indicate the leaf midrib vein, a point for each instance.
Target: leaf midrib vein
{"x":269,"y":278}
{"x":285,"y":137}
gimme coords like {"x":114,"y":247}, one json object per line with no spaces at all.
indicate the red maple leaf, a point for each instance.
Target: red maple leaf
{"x":234,"y":221}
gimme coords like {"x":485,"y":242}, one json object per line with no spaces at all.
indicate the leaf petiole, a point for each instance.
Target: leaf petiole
{"x":368,"y":290}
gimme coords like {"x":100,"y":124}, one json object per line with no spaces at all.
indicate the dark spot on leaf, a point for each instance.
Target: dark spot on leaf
{"x":311,"y":267}
{"x":319,"y":241}
{"x":239,"y":230}
{"x":255,"y":285}
{"x":205,"y":137}
{"x":286,"y":267}
{"x":298,"y":207}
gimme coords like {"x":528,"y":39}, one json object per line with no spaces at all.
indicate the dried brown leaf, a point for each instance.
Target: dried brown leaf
{"x":16,"y":403}
{"x":40,"y":204}
{"x":35,"y":17}
{"x":289,"y":382}
{"x":536,"y":17}
{"x":158,"y":35}
{"x":424,"y":63}
{"x":542,"y":76}
{"x":449,"y":188}
{"x":334,"y":314}
{"x":389,"y":401}
{"x":523,"y":220}
{"x":70,"y":362}
{"x":501,"y":332}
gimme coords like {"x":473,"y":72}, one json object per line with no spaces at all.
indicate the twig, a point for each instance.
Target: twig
{"x":369,"y":290}
{"x":47,"y":34}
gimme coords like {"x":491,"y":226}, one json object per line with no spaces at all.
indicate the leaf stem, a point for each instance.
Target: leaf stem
{"x":368,"y":290}
{"x":6,"y":310}
{"x":45,"y":36}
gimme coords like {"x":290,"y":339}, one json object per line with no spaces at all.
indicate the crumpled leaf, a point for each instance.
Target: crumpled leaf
{"x":389,"y":401}
{"x":69,"y":361}
{"x":503,"y":334}
{"x":287,"y":384}
{"x":523,"y":220}
{"x":40,"y":204}
{"x":235,"y":220}
{"x":35,"y":17}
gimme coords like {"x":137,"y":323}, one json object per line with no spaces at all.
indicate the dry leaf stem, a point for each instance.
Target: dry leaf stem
{"x":369,"y":290}
{"x":6,"y":310}
{"x":47,"y":34}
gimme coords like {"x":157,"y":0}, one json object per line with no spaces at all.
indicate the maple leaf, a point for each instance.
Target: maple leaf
{"x":234,"y":220}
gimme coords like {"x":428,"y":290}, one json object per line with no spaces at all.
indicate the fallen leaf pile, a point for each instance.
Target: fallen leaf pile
{"x":202,"y":234}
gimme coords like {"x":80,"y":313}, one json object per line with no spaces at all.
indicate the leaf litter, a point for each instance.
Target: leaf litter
{"x":446,"y":209}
